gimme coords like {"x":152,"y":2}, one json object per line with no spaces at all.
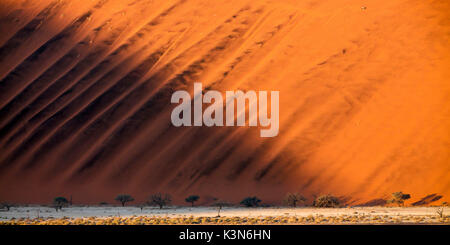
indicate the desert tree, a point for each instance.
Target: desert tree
{"x":59,"y":202}
{"x":220,"y":204}
{"x":191,"y":199}
{"x":124,"y":198}
{"x":250,"y":202}
{"x":326,"y":201}
{"x":399,"y":198}
{"x":160,"y":200}
{"x":292,"y":199}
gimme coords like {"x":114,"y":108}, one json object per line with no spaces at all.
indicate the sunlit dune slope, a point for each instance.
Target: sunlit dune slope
{"x":85,"y":98}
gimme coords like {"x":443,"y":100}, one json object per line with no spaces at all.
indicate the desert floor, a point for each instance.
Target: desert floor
{"x":229,"y":215}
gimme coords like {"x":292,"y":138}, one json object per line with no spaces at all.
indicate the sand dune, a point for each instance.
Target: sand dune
{"x":85,"y":98}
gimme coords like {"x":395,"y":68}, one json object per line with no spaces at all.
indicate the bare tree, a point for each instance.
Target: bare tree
{"x":160,"y":200}
{"x":124,"y":198}
{"x":292,"y":199}
{"x":220,"y":204}
{"x":440,"y":212}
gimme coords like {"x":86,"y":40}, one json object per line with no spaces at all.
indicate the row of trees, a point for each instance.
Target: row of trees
{"x":291,"y":199}
{"x":158,"y":199}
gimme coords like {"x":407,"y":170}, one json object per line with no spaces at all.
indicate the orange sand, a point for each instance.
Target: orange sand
{"x":85,"y":98}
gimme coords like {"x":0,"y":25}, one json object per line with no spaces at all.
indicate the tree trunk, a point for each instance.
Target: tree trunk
{"x":123,"y":204}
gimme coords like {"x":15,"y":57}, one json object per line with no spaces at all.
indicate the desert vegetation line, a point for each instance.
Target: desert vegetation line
{"x":162,"y":200}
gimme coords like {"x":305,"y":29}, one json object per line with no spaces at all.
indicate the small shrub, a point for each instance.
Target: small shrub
{"x":124,"y":198}
{"x":440,"y":212}
{"x":292,"y":199}
{"x":250,"y":202}
{"x":142,"y":206}
{"x":326,"y":201}
{"x":160,"y":200}
{"x":192,"y":199}
{"x":6,"y":205}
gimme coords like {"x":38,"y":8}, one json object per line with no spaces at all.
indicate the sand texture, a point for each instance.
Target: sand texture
{"x":85,"y":92}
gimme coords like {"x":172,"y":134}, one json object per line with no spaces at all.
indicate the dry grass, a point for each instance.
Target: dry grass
{"x":277,"y":220}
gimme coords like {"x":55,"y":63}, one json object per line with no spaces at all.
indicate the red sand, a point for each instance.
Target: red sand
{"x":86,"y":85}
